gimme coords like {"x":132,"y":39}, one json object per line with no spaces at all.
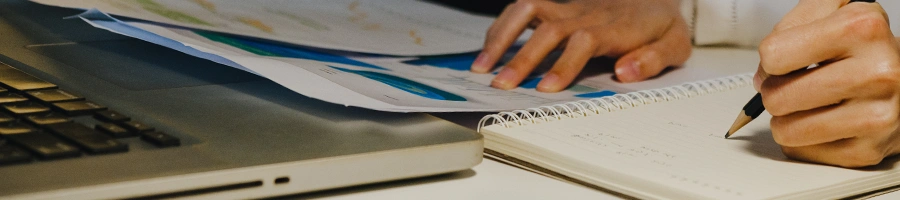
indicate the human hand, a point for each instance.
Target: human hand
{"x":845,"y":111}
{"x":648,"y":36}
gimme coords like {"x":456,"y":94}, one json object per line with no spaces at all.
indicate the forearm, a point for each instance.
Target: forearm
{"x":745,"y":22}
{"x":736,"y":22}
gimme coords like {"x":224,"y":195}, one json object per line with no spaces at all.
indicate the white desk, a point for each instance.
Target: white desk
{"x":493,"y":180}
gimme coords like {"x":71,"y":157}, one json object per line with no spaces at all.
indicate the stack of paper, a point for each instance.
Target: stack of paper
{"x":390,"y":55}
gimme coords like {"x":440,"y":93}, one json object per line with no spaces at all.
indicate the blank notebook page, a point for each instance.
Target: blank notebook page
{"x":680,"y":144}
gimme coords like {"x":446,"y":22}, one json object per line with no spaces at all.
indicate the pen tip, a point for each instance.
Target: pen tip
{"x":727,"y":134}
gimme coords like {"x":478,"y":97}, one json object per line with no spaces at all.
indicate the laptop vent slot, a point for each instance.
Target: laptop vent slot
{"x":282,"y":180}
{"x":202,"y":191}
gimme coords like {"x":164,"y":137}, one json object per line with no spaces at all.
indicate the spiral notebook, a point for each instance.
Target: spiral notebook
{"x":668,"y":144}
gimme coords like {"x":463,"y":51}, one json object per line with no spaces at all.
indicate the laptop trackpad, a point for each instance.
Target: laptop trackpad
{"x":137,"y":65}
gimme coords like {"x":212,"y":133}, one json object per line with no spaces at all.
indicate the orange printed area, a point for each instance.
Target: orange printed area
{"x":372,"y":27}
{"x":211,"y":7}
{"x":359,"y":16}
{"x":416,"y":38}
{"x":353,"y":5}
{"x":257,"y":24}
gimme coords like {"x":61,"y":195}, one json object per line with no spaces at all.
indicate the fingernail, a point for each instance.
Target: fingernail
{"x":504,"y":79}
{"x":549,"y":83}
{"x":480,"y":64}
{"x":629,"y":72}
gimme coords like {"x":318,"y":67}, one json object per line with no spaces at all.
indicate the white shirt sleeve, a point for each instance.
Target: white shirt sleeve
{"x":746,"y":22}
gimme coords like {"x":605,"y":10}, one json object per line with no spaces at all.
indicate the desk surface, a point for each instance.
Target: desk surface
{"x":494,"y":180}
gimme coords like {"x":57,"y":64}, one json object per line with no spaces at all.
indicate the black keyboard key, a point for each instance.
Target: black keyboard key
{"x":21,"y":81}
{"x":11,"y":98}
{"x":111,"y":116}
{"x":54,"y":95}
{"x":77,"y":108}
{"x":114,"y":130}
{"x":136,"y":127}
{"x":44,"y":145}
{"x":160,"y":139}
{"x":26,"y":108}
{"x":87,"y":138}
{"x":15,"y":128}
{"x":4,"y":119}
{"x":10,"y":154}
{"x":48,"y":118}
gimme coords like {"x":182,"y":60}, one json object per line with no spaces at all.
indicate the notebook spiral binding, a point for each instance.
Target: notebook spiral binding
{"x":612,"y":103}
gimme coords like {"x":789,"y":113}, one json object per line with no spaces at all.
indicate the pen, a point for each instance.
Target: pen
{"x":755,"y":107}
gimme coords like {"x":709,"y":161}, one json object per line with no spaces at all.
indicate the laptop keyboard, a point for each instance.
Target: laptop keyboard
{"x":40,"y":122}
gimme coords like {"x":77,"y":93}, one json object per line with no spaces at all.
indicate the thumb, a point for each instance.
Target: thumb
{"x":672,"y":49}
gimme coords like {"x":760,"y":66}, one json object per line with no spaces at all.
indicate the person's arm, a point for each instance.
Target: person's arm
{"x":740,"y":23}
{"x":647,"y":36}
{"x":845,"y":111}
{"x":744,"y":23}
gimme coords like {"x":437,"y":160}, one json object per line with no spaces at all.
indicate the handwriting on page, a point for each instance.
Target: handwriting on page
{"x":627,"y":148}
{"x":614,"y":144}
{"x":677,"y":144}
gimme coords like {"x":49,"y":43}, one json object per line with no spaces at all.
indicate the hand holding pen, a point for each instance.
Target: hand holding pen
{"x":845,"y":111}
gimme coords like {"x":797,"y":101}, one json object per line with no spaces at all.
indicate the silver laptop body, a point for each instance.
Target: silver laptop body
{"x":241,"y":136}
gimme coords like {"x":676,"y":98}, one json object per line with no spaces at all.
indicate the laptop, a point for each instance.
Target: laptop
{"x":87,"y":114}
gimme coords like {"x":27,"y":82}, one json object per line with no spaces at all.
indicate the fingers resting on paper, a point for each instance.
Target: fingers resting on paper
{"x":844,"y":111}
{"x":648,"y":36}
